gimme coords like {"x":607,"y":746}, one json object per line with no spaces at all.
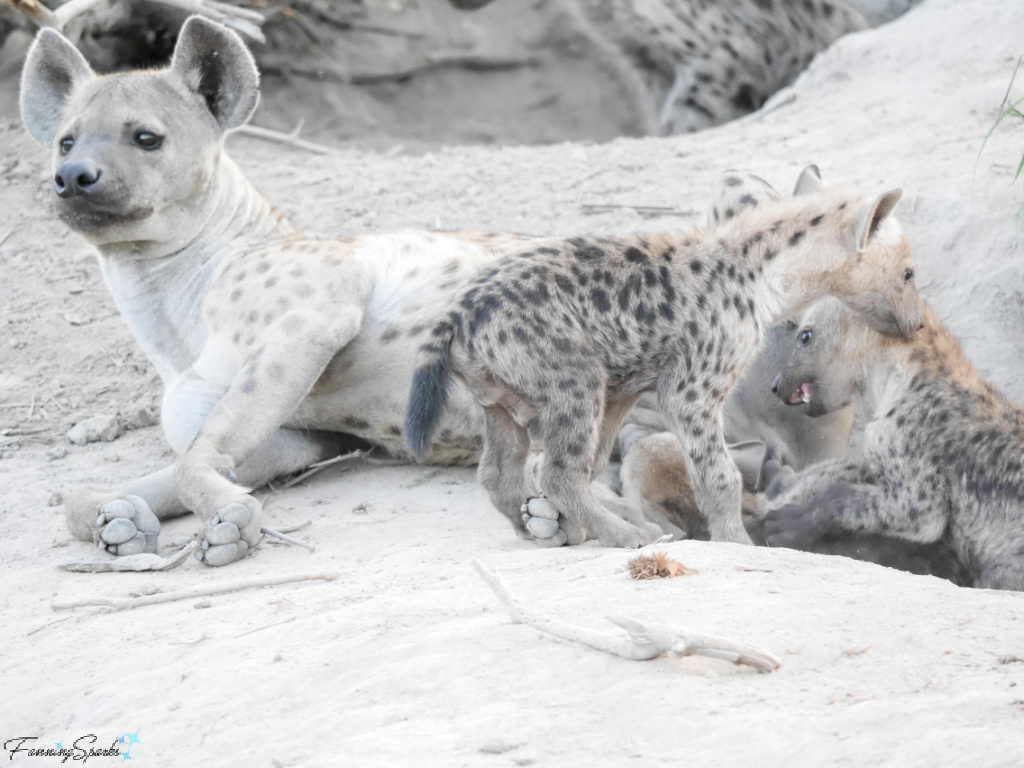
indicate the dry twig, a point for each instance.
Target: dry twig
{"x":244,"y":20}
{"x":324,"y":70}
{"x":121,"y":604}
{"x":291,"y":139}
{"x":643,"y":640}
{"x":314,"y":468}
{"x":141,"y":562}
{"x":288,"y":539}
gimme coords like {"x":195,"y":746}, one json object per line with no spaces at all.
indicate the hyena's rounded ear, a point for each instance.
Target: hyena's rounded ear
{"x":809,"y":183}
{"x":211,"y":60}
{"x":872,"y":216}
{"x":53,"y":68}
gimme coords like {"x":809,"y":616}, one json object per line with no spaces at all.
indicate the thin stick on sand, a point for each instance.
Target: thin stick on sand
{"x":288,"y":539}
{"x":643,"y":640}
{"x":123,"y":604}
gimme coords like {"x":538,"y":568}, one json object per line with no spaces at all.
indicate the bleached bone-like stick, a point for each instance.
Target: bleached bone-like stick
{"x":121,"y":604}
{"x":314,"y":468}
{"x":244,"y":20}
{"x":44,"y":17}
{"x":644,"y":641}
{"x":140,"y":562}
{"x":288,"y":539}
{"x":291,"y":138}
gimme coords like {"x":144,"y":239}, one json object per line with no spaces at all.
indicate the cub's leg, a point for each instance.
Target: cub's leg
{"x":614,"y":414}
{"x":264,"y":393}
{"x":571,"y":447}
{"x":717,"y":484}
{"x":143,"y":502}
{"x":502,"y":473}
{"x":834,"y":497}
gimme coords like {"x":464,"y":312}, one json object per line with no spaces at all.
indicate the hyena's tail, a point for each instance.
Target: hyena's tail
{"x":431,"y":387}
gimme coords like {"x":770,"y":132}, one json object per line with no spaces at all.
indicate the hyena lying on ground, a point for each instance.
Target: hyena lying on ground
{"x":558,"y":343}
{"x":941,"y":466}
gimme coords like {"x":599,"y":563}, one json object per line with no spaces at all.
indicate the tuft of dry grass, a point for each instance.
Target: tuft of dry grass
{"x":657,"y":565}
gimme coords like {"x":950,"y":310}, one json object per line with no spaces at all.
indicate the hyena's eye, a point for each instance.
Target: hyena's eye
{"x":908,"y":275}
{"x":805,"y":337}
{"x":66,"y":144}
{"x":148,"y":140}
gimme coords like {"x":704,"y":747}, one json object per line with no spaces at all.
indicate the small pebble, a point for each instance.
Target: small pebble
{"x":497,"y":746}
{"x":55,"y":500}
{"x":203,"y":604}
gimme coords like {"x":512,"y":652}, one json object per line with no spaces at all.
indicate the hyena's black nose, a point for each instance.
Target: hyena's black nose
{"x":775,"y":384}
{"x":76,"y":178}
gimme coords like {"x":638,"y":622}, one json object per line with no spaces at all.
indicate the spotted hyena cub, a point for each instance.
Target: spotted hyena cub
{"x":942,"y":462}
{"x":558,"y":342}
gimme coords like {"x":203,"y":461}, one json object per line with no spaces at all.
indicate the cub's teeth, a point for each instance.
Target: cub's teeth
{"x":805,"y":393}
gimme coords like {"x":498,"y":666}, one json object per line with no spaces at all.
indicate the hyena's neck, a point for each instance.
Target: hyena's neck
{"x":772,"y":243}
{"x":931,"y":357}
{"x":159,"y":287}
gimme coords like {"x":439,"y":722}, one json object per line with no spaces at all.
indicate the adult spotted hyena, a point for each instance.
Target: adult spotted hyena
{"x":558,"y":342}
{"x":941,"y":467}
{"x":269,"y":345}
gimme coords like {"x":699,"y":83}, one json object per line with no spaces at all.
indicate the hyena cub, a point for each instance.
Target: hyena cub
{"x":942,"y":461}
{"x":557,"y":343}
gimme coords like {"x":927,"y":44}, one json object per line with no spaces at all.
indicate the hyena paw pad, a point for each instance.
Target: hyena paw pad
{"x":541,"y":519}
{"x":127,"y":526}
{"x":229,"y":534}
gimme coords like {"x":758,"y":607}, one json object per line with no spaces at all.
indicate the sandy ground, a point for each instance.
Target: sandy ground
{"x":407,"y":658}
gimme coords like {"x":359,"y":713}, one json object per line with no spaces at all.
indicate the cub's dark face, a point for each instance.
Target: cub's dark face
{"x":820,"y":373}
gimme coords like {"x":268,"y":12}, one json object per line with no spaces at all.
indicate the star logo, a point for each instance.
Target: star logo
{"x":121,"y":739}
{"x":125,"y":756}
{"x":133,"y":738}
{"x":58,"y":744}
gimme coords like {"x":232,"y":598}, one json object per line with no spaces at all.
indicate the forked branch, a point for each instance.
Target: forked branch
{"x":244,"y":20}
{"x":643,"y":640}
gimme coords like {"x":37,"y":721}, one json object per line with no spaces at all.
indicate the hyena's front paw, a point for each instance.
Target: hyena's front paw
{"x":122,"y":525}
{"x":230,"y":533}
{"x":549,"y":528}
{"x":792,"y":526}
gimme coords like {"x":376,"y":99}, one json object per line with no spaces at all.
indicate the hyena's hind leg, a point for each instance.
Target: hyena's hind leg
{"x":503,"y":474}
{"x":573,"y":428}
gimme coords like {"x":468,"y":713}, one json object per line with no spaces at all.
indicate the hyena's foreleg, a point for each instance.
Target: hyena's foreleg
{"x":836,"y":498}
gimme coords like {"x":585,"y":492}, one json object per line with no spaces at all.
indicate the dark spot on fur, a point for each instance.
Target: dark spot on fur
{"x":797,"y":237}
{"x":588,"y":252}
{"x":635,"y":255}
{"x":389,"y":335}
{"x":745,"y":98}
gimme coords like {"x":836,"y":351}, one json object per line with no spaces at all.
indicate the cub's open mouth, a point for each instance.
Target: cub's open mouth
{"x":802,"y":395}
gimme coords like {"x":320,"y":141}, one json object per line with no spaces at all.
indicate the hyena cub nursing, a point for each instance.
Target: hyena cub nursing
{"x":942,"y":461}
{"x":558,"y":343}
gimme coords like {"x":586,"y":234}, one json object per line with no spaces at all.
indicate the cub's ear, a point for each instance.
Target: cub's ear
{"x":53,"y":68}
{"x":809,"y":182}
{"x":211,"y":60}
{"x":871,"y":218}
